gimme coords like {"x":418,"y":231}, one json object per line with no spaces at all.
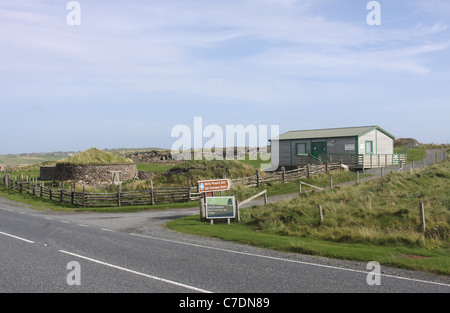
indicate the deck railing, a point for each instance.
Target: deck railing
{"x":355,"y":160}
{"x":366,"y":160}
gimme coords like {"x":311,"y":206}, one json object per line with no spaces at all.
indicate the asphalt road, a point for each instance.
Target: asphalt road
{"x":133,"y":252}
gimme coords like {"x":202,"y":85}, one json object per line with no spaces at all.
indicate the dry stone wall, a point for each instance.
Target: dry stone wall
{"x":89,"y":174}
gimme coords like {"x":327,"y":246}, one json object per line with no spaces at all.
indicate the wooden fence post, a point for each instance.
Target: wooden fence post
{"x":257,"y":179}
{"x":152,"y":193}
{"x":119,"y":190}
{"x":283,"y":174}
{"x":357,"y":177}
{"x":320,"y":215}
{"x":331,"y":182}
{"x":72,"y":194}
{"x":84,"y":196}
{"x":299,"y":188}
{"x":201,"y":203}
{"x":422,"y":217}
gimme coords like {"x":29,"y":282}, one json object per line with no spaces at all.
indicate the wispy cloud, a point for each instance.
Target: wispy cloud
{"x":253,"y":52}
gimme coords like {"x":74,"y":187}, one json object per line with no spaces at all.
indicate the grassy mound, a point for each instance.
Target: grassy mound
{"x":200,"y":170}
{"x":381,"y":212}
{"x":182,"y":173}
{"x":94,"y":156}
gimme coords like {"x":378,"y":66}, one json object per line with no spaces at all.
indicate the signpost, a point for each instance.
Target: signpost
{"x":216,"y":207}
{"x":220,"y":207}
{"x":213,"y":185}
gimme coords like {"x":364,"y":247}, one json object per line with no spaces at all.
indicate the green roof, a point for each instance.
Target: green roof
{"x":95,"y":157}
{"x":330,"y":133}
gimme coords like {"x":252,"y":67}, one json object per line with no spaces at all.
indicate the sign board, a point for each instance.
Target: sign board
{"x":350,"y":147}
{"x":220,"y":207}
{"x":213,"y":185}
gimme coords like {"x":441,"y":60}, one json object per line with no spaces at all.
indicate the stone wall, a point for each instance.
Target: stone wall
{"x":167,"y":157}
{"x":89,"y":174}
{"x":47,"y":172}
{"x":151,"y":157}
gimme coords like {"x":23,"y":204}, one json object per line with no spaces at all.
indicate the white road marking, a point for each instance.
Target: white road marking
{"x":291,"y":261}
{"x":235,"y":252}
{"x":105,"y":229}
{"x":136,"y":273}
{"x":15,"y":237}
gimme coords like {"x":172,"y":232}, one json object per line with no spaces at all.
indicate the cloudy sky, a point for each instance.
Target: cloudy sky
{"x":133,"y":70}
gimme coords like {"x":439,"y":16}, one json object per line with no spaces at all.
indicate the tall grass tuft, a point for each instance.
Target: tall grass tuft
{"x":380,"y":212}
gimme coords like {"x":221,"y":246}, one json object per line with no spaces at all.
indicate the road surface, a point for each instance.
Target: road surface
{"x":133,"y":252}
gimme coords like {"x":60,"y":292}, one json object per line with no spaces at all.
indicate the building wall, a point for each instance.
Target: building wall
{"x":47,"y":173}
{"x":288,"y":148}
{"x":89,"y":174}
{"x":382,"y":144}
{"x":284,"y":150}
{"x":343,"y":145}
{"x":385,"y":144}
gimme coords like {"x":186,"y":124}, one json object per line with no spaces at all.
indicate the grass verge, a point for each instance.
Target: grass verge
{"x":373,"y":221}
{"x":422,"y":259}
{"x":42,"y":204}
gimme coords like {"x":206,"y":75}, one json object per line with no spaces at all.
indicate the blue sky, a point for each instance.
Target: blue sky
{"x":135,"y":69}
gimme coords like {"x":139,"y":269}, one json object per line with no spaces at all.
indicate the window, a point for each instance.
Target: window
{"x":300,"y":148}
{"x":369,"y":147}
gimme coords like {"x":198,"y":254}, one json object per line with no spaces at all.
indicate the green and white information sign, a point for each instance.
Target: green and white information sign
{"x":220,"y":207}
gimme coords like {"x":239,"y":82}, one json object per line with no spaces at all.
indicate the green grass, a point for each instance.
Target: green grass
{"x":15,"y":161}
{"x":280,"y":188}
{"x":95,"y":157}
{"x":412,"y":154}
{"x":258,"y":164}
{"x":373,"y":221}
{"x":436,"y":260}
{"x":42,"y":204}
{"x":416,"y":154}
{"x":195,"y":170}
{"x":154,"y":167}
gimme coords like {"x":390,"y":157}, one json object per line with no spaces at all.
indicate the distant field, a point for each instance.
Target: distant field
{"x":11,"y":161}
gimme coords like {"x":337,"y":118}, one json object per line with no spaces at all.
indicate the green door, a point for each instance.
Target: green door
{"x":318,"y":148}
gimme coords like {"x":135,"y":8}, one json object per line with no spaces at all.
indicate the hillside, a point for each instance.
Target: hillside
{"x":380,"y":212}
